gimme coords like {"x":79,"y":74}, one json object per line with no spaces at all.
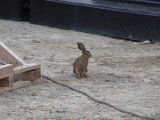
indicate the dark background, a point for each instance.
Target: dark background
{"x":130,"y":19}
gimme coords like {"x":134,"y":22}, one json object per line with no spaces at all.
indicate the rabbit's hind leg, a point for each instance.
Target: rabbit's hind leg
{"x":85,"y":74}
{"x":78,"y":74}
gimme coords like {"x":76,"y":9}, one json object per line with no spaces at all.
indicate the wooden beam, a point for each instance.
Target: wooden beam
{"x":27,"y":76}
{"x":16,"y":68}
{"x":6,"y":75}
{"x":9,"y":57}
{"x":7,"y":81}
{"x":5,"y":70}
{"x":25,"y":68}
{"x":28,"y":72}
{"x":16,"y":85}
{"x":20,"y":84}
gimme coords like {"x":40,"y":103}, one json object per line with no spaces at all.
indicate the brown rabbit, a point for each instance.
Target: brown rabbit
{"x":81,"y":63}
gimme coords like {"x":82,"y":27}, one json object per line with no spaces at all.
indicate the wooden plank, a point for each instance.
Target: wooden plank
{"x":9,"y":57}
{"x":7,"y":81}
{"x":6,"y":75}
{"x":16,"y":85}
{"x":5,"y":70}
{"x":25,"y":68}
{"x":16,"y":68}
{"x":20,"y":84}
{"x":28,"y":76}
{"x":29,"y":72}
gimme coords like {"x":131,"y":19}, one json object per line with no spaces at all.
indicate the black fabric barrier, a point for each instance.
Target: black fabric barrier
{"x":15,"y":9}
{"x":130,"y":19}
{"x":9,"y":9}
{"x":135,"y":23}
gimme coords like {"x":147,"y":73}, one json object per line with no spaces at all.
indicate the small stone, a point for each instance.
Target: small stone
{"x":9,"y":114}
{"x":25,"y":58}
{"x":146,"y":42}
{"x":34,"y":94}
{"x":60,"y":111}
{"x":36,"y":41}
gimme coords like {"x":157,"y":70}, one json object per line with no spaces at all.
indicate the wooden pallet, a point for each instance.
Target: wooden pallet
{"x":15,"y":69}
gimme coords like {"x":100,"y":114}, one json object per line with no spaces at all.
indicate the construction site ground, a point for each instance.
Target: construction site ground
{"x":123,"y":76}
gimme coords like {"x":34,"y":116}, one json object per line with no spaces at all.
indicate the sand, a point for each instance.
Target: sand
{"x":123,"y":76}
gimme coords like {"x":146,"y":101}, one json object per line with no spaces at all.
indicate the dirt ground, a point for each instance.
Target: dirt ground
{"x":123,"y":82}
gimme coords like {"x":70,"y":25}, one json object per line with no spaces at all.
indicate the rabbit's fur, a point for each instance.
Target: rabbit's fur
{"x":81,"y":63}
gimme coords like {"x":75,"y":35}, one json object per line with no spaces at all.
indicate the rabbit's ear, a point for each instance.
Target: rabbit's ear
{"x":81,"y":46}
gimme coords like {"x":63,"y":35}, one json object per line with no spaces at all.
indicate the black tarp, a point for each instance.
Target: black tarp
{"x":9,"y":9}
{"x":122,"y":20}
{"x":129,"y":19}
{"x":15,"y":9}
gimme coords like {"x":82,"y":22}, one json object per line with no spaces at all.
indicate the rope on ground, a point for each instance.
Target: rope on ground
{"x":98,"y":101}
